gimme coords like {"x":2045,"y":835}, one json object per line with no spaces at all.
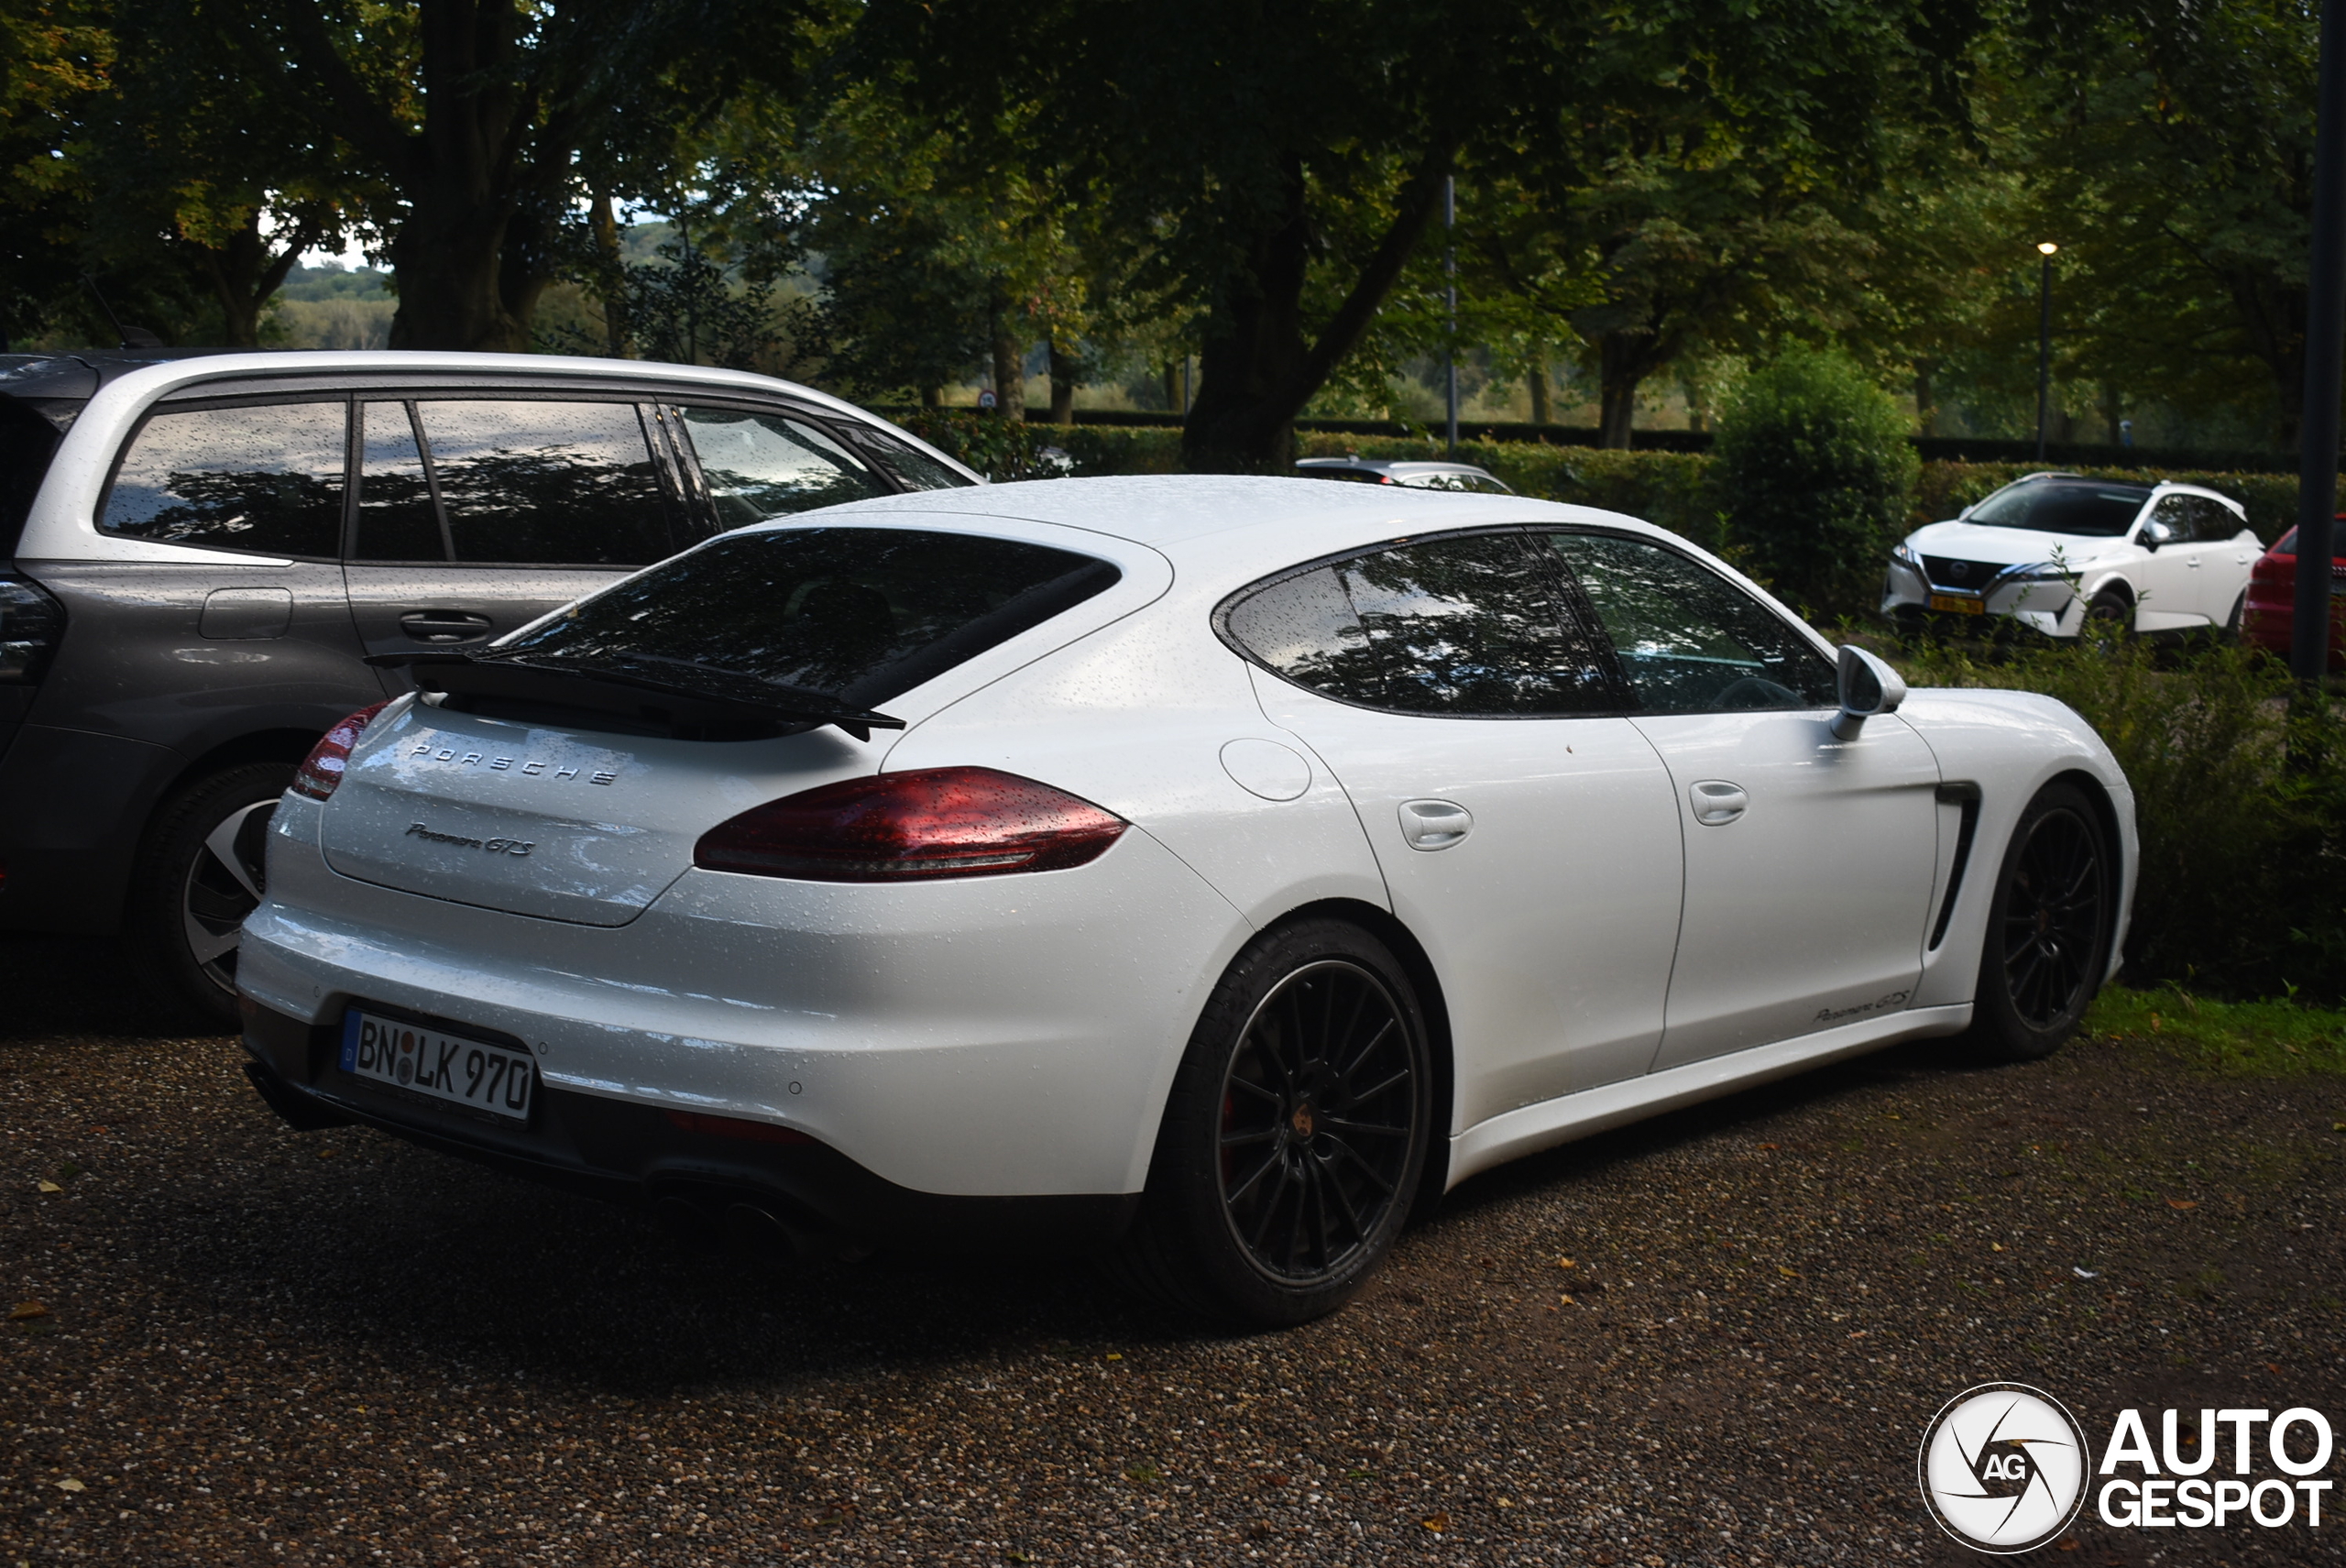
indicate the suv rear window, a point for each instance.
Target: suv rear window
{"x":861,"y":614}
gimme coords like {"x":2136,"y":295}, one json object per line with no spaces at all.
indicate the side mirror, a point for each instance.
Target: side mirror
{"x":1865,"y":687}
{"x":2156,"y":534}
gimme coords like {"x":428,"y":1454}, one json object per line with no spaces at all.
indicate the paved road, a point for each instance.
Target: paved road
{"x":267,"y":1347}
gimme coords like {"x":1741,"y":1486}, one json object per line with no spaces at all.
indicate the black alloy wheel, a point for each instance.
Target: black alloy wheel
{"x":1294,"y":1136}
{"x":2048,"y":928}
{"x":1318,"y":1112}
{"x":201,"y":873}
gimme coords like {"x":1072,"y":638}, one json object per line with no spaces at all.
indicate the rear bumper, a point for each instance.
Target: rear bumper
{"x":996,"y":1036}
{"x":803,"y":1190}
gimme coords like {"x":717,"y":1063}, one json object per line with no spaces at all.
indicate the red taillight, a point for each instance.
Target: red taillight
{"x":320,"y":770}
{"x":911,"y":826}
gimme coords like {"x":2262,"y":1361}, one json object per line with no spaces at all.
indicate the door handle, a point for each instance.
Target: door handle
{"x":1434,"y":824}
{"x":444,"y":626}
{"x":1717,"y":802}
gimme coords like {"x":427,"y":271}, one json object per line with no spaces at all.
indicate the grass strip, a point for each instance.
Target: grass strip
{"x":2248,"y":1039}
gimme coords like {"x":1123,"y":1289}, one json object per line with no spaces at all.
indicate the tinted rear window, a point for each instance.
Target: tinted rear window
{"x":2064,"y":507}
{"x":859,"y":613}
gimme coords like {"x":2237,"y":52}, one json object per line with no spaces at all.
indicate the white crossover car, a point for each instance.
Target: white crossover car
{"x":2051,"y":550}
{"x":1213,"y":867}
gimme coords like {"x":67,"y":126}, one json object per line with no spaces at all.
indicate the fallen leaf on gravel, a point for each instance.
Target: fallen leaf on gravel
{"x":1569,"y":1301}
{"x":2338,"y":1126}
{"x":1767,"y":1145}
{"x":2274,"y":1367}
{"x":1566,"y":1263}
{"x":50,"y":1187}
{"x":2083,"y":1273}
{"x":2183,"y":1203}
{"x":71,"y":1484}
{"x":1788,"y":1273}
{"x":25,"y":1310}
{"x":1115,"y":1356}
{"x":2070,"y":1545}
{"x":1995,"y":1246}
{"x":1436,"y":1522}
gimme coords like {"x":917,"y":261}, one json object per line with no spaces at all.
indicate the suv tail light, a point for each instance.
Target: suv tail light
{"x":320,"y":770}
{"x":913,"y":827}
{"x":30,"y":624}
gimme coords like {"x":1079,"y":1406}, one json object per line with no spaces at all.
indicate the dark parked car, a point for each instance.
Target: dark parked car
{"x":198,"y":553}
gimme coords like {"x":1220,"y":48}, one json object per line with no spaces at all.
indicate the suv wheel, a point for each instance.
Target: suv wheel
{"x":197,"y":878}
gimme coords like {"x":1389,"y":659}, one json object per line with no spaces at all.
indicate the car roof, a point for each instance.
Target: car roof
{"x":1228,"y":527}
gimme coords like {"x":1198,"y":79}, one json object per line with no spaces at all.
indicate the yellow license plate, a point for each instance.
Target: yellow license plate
{"x":1962,"y":604}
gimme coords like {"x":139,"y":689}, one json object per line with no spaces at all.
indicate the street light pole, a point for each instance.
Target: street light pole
{"x":1450,"y":275}
{"x":2043,"y":344}
{"x":2325,"y":348}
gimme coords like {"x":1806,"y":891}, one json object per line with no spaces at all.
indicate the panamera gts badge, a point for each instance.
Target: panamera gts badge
{"x":527,"y":767}
{"x":494,"y":846}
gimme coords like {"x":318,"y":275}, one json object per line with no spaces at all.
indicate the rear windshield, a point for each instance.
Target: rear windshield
{"x":861,"y":614}
{"x":2057,"y":506}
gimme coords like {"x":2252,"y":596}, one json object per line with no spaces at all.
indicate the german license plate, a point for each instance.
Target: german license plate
{"x":1962,"y":604}
{"x":472,"y":1073}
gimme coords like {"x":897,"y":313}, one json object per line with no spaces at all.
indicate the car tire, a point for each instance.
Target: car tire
{"x":199,"y":874}
{"x":2111,"y":605}
{"x":2239,"y":616}
{"x":1294,"y":1135}
{"x":2049,"y":921}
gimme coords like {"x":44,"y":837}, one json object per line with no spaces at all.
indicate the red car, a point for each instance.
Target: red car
{"x":2272,"y":602}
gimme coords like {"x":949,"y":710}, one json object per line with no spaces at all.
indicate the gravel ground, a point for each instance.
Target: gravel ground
{"x":264,"y":1346}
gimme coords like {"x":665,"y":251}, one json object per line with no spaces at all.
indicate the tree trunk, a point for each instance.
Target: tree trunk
{"x":461,"y":172}
{"x":244,"y":273}
{"x":611,"y":272}
{"x":1540,"y":414}
{"x":1063,"y":365}
{"x":449,"y":260}
{"x":1621,"y":366}
{"x":1009,"y":367}
{"x":1255,"y":371}
{"x":932,"y":396}
{"x":1173,"y":389}
{"x":1927,"y":409}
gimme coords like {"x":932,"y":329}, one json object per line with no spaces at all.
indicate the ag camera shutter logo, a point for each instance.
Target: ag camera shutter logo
{"x":2004,"y":1468}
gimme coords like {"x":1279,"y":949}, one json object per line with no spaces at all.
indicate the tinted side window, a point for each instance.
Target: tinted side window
{"x":265,"y":477}
{"x":549,"y":482}
{"x":760,"y":466}
{"x":2212,"y":520}
{"x":908,"y":465}
{"x":397,"y":519}
{"x":2176,"y":512}
{"x":1467,"y":626}
{"x":1688,"y":640}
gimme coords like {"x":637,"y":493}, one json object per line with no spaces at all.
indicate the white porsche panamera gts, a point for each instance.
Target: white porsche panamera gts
{"x":1210,"y":867}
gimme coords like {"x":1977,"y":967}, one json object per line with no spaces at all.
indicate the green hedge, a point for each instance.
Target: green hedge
{"x":1671,"y":489}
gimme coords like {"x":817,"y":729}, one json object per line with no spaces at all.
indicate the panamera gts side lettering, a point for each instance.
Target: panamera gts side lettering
{"x":494,"y":846}
{"x":505,"y":765}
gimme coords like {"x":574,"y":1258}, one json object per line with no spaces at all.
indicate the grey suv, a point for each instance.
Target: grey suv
{"x":197,"y":554}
